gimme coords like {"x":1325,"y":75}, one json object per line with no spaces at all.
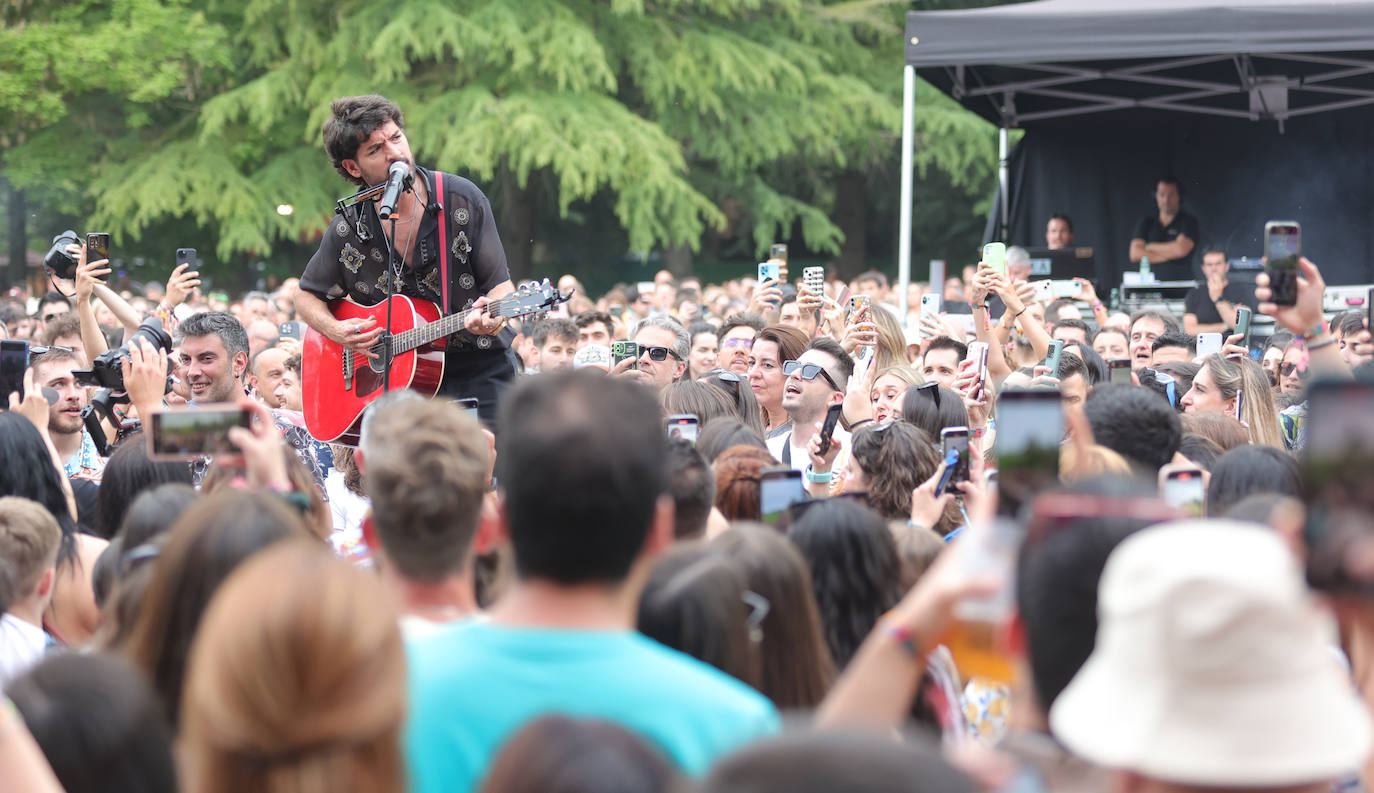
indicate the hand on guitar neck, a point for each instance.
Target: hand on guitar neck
{"x":478,"y":321}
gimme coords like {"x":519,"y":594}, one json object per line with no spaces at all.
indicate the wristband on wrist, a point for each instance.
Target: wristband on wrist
{"x":983,"y":306}
{"x":818,"y":478}
{"x":1316,"y":331}
{"x":978,"y":432}
{"x":1097,"y":304}
{"x":1018,"y":314}
{"x":901,"y":634}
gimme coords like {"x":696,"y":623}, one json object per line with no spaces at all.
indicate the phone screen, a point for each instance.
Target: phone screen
{"x":192,"y":433}
{"x":779,"y":488}
{"x":1185,"y":490}
{"x":955,"y":439}
{"x":1119,"y":371}
{"x":1282,"y":247}
{"x":1337,"y":467}
{"x":682,"y":426}
{"x":14,"y":359}
{"x":1030,"y":427}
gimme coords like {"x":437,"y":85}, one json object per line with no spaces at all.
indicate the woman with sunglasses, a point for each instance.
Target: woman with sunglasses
{"x":887,"y":462}
{"x":741,"y":396}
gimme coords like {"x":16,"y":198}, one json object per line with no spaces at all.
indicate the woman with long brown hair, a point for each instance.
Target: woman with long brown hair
{"x":296,"y":681}
{"x":795,"y":668}
{"x":211,"y":538}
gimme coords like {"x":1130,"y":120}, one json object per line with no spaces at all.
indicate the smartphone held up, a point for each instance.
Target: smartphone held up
{"x":180,"y":434}
{"x":1282,"y":247}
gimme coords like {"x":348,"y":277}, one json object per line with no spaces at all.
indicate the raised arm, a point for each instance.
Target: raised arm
{"x":1304,"y":318}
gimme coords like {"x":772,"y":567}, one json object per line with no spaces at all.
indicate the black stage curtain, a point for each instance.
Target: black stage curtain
{"x":1100,"y":169}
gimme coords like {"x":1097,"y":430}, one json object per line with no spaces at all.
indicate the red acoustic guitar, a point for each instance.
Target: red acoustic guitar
{"x":337,"y":384}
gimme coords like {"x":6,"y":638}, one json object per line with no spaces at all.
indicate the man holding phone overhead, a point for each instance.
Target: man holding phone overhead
{"x":1167,"y":239}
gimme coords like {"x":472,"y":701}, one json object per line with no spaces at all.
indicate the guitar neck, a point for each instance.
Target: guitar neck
{"x":439,"y":328}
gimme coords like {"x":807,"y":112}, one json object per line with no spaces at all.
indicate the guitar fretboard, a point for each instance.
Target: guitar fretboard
{"x":444,"y":326}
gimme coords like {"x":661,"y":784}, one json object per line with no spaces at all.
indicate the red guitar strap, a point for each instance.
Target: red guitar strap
{"x":443,"y":239}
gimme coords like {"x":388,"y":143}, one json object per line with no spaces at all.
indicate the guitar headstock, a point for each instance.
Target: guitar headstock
{"x":531,"y":299}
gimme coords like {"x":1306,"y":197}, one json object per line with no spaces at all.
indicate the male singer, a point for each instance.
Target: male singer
{"x":364,"y":136}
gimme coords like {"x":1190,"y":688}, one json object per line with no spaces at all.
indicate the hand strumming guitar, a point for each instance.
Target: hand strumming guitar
{"x":356,"y":334}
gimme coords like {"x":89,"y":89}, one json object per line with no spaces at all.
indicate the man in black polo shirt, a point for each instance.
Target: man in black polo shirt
{"x":1210,"y":307}
{"x":363,"y":137}
{"x":1167,"y":239}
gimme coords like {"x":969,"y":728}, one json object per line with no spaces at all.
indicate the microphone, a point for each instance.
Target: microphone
{"x":398,"y":178}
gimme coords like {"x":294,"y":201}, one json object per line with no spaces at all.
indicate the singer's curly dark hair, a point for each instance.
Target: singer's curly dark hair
{"x":352,"y":120}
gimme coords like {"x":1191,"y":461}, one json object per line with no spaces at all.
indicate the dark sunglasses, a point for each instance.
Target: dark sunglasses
{"x":738,"y":342}
{"x":808,"y":371}
{"x":1286,"y":369}
{"x":657,"y":353}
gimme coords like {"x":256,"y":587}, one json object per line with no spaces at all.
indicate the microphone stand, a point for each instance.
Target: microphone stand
{"x":390,"y":291}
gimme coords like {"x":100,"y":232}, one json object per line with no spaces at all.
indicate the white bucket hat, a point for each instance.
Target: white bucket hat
{"x":1209,"y":667}
{"x":594,"y":355}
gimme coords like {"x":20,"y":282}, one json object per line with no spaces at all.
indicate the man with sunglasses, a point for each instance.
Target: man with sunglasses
{"x":52,"y":306}
{"x":815,"y":381}
{"x":663,"y":349}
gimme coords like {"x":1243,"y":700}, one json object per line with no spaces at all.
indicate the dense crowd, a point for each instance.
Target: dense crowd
{"x":602,"y":590}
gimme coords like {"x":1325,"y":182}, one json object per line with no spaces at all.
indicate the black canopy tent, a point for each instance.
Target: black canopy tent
{"x":1236,"y":98}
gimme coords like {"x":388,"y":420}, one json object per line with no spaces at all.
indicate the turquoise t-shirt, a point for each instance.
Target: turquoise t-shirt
{"x":474,"y":684}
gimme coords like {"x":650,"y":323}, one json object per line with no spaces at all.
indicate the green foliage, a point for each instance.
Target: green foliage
{"x":663,"y":113}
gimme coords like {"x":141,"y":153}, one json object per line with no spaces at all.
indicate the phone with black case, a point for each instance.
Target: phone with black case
{"x":1282,"y":247}
{"x":97,"y":246}
{"x":14,"y":359}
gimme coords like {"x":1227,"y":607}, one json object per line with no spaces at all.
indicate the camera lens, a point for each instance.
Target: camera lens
{"x":58,"y":262}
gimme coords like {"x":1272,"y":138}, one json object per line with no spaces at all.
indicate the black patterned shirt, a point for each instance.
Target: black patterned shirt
{"x":352,"y":258}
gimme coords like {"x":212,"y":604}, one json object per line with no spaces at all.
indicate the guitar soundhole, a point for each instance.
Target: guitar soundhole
{"x":377,"y":364}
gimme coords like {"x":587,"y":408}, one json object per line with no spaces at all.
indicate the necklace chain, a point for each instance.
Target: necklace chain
{"x":401,"y":252}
